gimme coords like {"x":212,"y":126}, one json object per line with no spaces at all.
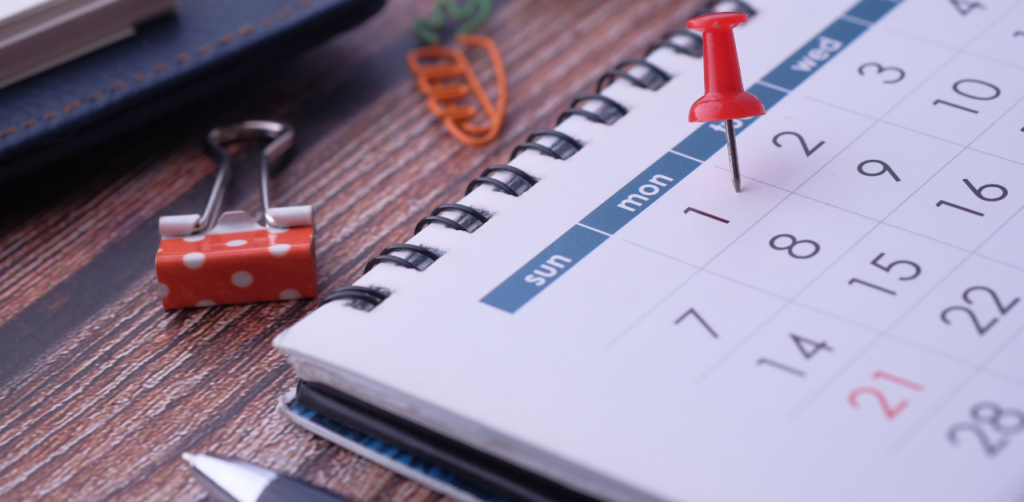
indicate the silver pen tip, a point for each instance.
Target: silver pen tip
{"x":736,"y":184}
{"x":190,"y":458}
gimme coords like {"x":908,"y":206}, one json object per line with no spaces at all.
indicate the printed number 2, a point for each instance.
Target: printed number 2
{"x":803,"y":143}
{"x":965,"y":7}
{"x":890,"y":411}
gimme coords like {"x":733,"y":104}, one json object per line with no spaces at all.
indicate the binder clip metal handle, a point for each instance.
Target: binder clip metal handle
{"x":282,"y":138}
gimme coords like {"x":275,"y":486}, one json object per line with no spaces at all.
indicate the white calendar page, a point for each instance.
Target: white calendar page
{"x":847,"y":328}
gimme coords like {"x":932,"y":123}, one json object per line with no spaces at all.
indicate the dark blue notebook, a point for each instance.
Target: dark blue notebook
{"x":172,"y":61}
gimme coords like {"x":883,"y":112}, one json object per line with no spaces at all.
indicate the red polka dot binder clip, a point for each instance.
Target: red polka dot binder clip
{"x":221,"y":259}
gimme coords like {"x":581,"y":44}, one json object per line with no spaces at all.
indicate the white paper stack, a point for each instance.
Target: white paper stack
{"x":36,"y":35}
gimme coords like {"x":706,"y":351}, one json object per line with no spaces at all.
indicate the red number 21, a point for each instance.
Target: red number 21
{"x":889,"y":410}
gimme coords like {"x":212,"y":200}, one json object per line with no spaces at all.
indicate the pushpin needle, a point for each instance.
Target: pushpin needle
{"x":724,"y":98}
{"x":734,"y":161}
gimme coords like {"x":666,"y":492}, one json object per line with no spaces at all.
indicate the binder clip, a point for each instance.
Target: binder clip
{"x":221,"y":259}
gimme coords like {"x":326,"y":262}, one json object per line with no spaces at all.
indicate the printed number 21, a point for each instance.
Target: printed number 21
{"x":890,"y":411}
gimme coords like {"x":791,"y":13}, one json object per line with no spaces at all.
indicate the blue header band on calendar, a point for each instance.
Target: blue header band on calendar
{"x":543,"y":269}
{"x":642,"y":191}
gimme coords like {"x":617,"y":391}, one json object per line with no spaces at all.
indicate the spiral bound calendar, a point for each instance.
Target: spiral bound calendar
{"x":605,"y":313}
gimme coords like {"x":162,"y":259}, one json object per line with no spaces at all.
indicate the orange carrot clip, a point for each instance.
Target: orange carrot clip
{"x":433,"y":80}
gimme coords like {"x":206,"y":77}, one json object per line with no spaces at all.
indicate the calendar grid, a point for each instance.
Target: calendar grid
{"x":977,"y":369}
{"x":935,"y":161}
{"x":883,"y":334}
{"x":790,"y":300}
{"x":934,"y":413}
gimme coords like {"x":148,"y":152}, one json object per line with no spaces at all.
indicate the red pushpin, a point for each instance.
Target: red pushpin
{"x":724,"y":98}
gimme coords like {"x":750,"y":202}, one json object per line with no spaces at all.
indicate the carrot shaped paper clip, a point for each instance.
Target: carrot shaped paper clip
{"x":445,"y":77}
{"x":220,"y":259}
{"x":434,"y":80}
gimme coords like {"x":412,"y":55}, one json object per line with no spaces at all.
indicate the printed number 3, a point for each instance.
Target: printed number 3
{"x":879,"y":69}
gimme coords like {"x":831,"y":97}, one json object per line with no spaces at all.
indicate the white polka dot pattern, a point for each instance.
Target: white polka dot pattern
{"x":279,"y":250}
{"x":236,"y":267}
{"x":194,"y":260}
{"x":241,"y":279}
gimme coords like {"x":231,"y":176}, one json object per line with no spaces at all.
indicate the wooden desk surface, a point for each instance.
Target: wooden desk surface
{"x":103,"y":390}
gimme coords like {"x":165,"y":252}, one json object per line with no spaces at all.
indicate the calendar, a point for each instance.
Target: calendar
{"x":848,"y":327}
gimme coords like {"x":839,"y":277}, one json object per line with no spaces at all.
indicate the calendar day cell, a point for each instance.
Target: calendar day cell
{"x":1003,"y":41}
{"x":966,"y":202}
{"x":691,"y":208}
{"x":1007,"y":244}
{"x":791,"y":246}
{"x":1004,"y":138}
{"x":875,"y":72}
{"x":790,"y":144}
{"x":787,"y":359}
{"x":694,"y":327}
{"x":883,"y":395}
{"x":972,"y":314}
{"x":950,"y":23}
{"x":1008,"y":360}
{"x":882,"y":277}
{"x":879,"y":171}
{"x":975,"y":441}
{"x":619,"y":281}
{"x":962,"y":100}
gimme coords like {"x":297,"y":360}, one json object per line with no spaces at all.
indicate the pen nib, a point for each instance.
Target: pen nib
{"x":189,"y":457}
{"x":736,"y":184}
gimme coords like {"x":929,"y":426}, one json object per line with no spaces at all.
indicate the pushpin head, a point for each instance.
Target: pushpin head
{"x":724,"y":97}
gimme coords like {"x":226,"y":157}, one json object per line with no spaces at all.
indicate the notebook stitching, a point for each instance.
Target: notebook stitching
{"x":182,"y":58}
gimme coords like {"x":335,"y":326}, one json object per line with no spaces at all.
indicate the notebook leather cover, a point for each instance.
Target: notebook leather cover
{"x":170,"y":62}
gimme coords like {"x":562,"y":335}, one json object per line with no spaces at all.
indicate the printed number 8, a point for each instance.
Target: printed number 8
{"x":793,"y":243}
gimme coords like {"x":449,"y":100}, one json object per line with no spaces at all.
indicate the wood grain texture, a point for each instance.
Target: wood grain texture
{"x":103,"y":390}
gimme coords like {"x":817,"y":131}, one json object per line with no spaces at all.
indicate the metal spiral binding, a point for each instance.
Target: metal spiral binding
{"x":564,"y":146}
{"x":653,"y":79}
{"x":468,"y":221}
{"x":419,"y":257}
{"x":362,"y":298}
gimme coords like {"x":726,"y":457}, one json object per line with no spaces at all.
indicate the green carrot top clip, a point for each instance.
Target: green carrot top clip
{"x":473,"y":14}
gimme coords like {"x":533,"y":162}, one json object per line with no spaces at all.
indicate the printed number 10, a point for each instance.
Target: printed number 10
{"x":982,"y":95}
